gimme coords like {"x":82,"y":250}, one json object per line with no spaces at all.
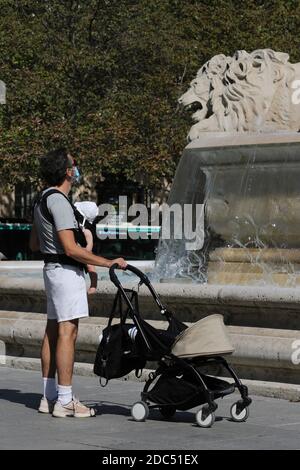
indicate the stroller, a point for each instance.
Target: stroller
{"x":182,"y":353}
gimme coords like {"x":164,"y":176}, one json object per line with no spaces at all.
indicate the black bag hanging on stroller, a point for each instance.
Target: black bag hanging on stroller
{"x":117,"y":355}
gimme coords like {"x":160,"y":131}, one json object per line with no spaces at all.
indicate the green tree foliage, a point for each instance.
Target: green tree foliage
{"x":103,"y":76}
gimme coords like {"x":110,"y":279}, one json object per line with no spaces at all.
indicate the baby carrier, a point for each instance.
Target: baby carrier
{"x":41,"y":202}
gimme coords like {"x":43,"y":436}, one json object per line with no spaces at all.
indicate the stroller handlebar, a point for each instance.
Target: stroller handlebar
{"x":144,"y":280}
{"x":114,"y":278}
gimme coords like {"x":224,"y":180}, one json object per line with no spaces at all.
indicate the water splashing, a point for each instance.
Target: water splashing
{"x":251,"y":194}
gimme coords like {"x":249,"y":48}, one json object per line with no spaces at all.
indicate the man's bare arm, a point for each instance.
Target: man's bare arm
{"x":67,"y":239}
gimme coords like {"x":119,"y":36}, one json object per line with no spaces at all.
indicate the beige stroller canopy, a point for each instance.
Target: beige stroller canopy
{"x":206,"y":337}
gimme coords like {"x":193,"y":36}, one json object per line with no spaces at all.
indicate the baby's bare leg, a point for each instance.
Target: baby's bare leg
{"x":93,"y":278}
{"x":91,"y":269}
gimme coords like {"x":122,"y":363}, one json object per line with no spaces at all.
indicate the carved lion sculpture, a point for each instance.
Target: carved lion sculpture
{"x":247,"y":92}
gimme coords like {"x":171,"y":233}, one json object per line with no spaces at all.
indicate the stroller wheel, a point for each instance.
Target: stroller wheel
{"x":238,"y":415}
{"x":167,"y":411}
{"x":205,"y":418}
{"x":140,"y":411}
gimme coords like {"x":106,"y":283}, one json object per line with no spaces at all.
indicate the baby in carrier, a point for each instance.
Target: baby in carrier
{"x":89,"y":211}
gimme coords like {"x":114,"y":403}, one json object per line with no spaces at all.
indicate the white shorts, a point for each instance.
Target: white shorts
{"x":66,"y":292}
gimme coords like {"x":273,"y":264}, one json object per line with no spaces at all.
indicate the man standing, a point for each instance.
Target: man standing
{"x":56,"y":234}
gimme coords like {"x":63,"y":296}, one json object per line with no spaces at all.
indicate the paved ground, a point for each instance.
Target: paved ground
{"x":273,"y":424}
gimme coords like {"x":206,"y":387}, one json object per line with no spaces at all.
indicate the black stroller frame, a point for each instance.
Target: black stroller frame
{"x":167,"y":362}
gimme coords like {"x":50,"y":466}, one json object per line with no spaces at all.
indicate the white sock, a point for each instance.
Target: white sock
{"x":64,"y":394}
{"x":50,"y":390}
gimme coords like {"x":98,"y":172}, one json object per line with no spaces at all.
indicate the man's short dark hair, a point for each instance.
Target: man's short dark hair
{"x":53,"y":166}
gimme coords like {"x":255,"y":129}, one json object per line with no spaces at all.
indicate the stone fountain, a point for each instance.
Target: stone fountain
{"x":243,"y":164}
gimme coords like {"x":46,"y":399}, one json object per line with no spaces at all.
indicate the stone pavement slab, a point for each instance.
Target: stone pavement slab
{"x":273,"y":423}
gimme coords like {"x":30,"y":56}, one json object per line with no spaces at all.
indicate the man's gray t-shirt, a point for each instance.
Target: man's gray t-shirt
{"x":63,"y":217}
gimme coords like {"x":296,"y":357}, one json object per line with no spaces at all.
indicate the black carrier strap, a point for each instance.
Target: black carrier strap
{"x":78,"y":233}
{"x":62,"y":259}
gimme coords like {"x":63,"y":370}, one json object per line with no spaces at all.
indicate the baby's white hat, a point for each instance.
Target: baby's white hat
{"x":88,"y":209}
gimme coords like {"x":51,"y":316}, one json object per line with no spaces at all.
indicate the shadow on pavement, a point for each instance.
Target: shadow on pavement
{"x":108,"y":408}
{"x":124,"y":410}
{"x":30,"y":400}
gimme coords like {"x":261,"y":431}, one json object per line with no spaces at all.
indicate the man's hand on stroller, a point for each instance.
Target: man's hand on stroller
{"x":120,"y":261}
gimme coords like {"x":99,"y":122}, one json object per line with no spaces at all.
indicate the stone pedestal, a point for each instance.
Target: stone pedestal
{"x":254,"y":266}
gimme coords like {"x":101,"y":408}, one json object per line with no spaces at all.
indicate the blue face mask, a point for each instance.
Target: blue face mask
{"x":77,"y":175}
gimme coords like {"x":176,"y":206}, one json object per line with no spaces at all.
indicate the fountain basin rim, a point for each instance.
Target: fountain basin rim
{"x":235,"y":139}
{"x":191,"y":293}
